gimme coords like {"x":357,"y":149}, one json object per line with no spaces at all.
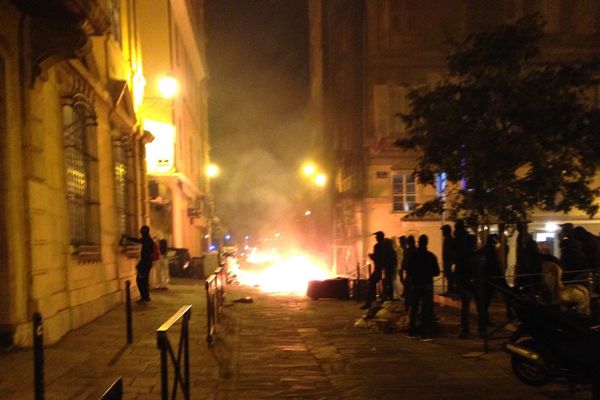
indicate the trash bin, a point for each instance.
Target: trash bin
{"x":179,"y":262}
{"x":197,"y":267}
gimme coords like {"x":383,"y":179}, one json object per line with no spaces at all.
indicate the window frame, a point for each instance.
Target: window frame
{"x":403,"y":196}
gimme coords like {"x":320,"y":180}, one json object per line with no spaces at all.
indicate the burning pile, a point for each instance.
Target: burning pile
{"x":280,"y":274}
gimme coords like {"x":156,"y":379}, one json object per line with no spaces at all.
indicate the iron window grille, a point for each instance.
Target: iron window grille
{"x":125,"y":185}
{"x":81,"y":170}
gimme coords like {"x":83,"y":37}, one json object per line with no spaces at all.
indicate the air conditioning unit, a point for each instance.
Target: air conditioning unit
{"x":153,"y":191}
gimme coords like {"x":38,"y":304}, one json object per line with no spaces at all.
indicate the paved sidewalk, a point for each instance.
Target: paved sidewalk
{"x":278,"y":347}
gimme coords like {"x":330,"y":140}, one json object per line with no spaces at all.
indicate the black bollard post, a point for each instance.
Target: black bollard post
{"x":128,"y":312}
{"x":38,"y":356}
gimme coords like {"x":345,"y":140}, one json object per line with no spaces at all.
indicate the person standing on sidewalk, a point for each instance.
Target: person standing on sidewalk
{"x":470,"y":283}
{"x":384,"y":260}
{"x":463,"y":274}
{"x":162,"y":266}
{"x":407,"y":260}
{"x":448,"y":258}
{"x":143,"y":266}
{"x":421,"y":273}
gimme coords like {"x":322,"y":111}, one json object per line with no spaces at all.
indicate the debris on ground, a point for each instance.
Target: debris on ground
{"x":246,"y":299}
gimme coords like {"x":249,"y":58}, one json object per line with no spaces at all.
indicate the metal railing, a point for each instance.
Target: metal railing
{"x":181,"y":378}
{"x":114,"y":392}
{"x":358,"y":283}
{"x":215,"y":298}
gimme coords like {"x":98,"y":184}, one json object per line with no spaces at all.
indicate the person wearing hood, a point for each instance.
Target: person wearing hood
{"x":144,"y":265}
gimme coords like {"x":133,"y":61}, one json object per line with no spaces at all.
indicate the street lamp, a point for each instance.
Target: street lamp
{"x":320,"y":180}
{"x":309,"y":168}
{"x":212,"y":170}
{"x":167,"y":86}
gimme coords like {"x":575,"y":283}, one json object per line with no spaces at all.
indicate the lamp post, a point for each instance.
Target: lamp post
{"x":211,"y":171}
{"x":312,"y":223}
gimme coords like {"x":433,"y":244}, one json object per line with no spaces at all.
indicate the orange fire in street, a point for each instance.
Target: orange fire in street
{"x":281,"y":274}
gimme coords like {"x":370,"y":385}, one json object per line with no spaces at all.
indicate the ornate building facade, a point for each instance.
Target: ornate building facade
{"x":365,"y":57}
{"x":73,"y":155}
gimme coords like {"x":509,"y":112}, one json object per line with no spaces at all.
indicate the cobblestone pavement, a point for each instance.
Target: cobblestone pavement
{"x":277,"y":347}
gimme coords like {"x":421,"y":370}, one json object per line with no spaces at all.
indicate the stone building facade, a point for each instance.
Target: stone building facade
{"x":365,"y":57}
{"x":72,"y":165}
{"x":172,"y":37}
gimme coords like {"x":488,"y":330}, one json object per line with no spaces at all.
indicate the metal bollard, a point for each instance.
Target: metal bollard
{"x":128,"y":312}
{"x":38,"y":356}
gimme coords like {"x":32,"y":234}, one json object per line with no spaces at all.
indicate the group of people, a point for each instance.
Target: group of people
{"x":465,"y":264}
{"x":418,"y":267}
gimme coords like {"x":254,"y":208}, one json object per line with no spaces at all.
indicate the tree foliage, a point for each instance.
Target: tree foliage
{"x":515,"y":134}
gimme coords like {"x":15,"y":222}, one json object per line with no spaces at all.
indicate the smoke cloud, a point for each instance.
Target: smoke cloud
{"x":257,"y":54}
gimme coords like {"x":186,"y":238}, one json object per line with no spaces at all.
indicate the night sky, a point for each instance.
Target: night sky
{"x":257,"y":54}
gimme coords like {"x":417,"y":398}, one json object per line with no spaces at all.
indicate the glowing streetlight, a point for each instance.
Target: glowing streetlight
{"x":212,"y":170}
{"x":167,"y":86}
{"x":320,"y":180}
{"x":309,"y":169}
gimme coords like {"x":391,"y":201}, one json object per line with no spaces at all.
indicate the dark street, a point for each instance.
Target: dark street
{"x":276,"y":347}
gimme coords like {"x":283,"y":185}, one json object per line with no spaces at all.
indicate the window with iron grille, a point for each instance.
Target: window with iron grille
{"x":404,"y":192}
{"x":81,"y":170}
{"x":125,"y":183}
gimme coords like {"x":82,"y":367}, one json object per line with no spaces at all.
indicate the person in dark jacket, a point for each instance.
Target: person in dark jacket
{"x":421,"y":273}
{"x":448,"y":249}
{"x":144,"y":265}
{"x":407,"y":259}
{"x":493,"y":279}
{"x":590,"y":245}
{"x":384,"y":260}
{"x":464,"y":245}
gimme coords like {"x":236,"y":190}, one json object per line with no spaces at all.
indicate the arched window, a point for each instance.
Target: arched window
{"x":81,"y":170}
{"x":125,"y":184}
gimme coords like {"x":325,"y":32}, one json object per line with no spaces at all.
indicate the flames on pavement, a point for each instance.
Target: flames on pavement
{"x":274,"y":273}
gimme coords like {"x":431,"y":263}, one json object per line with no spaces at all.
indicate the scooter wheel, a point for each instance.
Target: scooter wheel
{"x":528,"y":372}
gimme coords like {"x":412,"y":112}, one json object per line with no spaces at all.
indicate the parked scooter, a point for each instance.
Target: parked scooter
{"x":553,"y":342}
